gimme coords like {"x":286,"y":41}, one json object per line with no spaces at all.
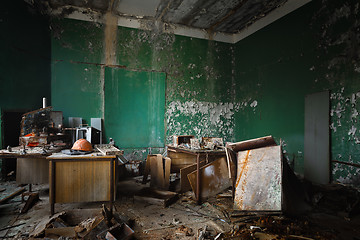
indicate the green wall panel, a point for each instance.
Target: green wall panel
{"x":310,"y":50}
{"x":77,"y":90}
{"x":25,"y":57}
{"x":135,"y":108}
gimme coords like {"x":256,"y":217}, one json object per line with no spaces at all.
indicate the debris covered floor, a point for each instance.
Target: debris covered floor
{"x":334,"y":215}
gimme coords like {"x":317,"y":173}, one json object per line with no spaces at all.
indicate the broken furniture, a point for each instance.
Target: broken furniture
{"x":82,"y":178}
{"x":259,"y":180}
{"x":41,"y":134}
{"x":181,"y":158}
{"x":41,"y":127}
{"x":214,"y":179}
{"x":159,"y":168}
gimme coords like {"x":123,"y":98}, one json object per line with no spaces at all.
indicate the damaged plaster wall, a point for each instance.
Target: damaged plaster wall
{"x":320,"y":51}
{"x":198,"y":76}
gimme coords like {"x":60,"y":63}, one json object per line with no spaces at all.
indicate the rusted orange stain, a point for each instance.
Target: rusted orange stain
{"x":243,"y":168}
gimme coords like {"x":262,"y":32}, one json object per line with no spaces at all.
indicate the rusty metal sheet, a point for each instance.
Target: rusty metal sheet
{"x":259,"y":180}
{"x":214,"y":178}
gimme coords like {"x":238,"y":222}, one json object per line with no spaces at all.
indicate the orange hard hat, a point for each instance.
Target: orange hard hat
{"x":82,"y":145}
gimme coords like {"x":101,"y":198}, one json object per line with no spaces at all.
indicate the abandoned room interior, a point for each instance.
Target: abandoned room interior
{"x":180,"y":119}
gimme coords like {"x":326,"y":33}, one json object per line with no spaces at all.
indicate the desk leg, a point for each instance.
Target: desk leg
{"x":52,"y":187}
{"x":198,"y":195}
{"x":111,"y":184}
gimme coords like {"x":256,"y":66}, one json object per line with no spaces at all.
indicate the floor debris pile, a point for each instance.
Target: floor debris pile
{"x":247,"y":191}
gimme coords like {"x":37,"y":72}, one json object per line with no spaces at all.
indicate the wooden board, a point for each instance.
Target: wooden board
{"x":180,"y":160}
{"x":259,"y":180}
{"x":82,"y":181}
{"x":252,"y":144}
{"x":107,"y":149}
{"x":60,"y":232}
{"x":184,"y":181}
{"x":32,"y":170}
{"x":214,"y":178}
{"x":160,"y":171}
{"x":12,"y":195}
{"x":156,"y":197}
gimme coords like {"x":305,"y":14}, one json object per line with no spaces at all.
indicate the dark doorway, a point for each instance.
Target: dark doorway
{"x":11,"y":130}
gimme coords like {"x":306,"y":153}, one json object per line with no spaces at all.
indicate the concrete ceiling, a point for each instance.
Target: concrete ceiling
{"x":198,"y":18}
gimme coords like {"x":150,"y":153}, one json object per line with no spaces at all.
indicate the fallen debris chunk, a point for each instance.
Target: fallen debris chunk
{"x":202,"y":233}
{"x":12,"y":195}
{"x":265,"y":236}
{"x":32,"y":199}
{"x":156,"y":197}
{"x":98,"y":228}
{"x":60,"y":232}
{"x":108,"y":214}
{"x":86,"y":225}
{"x":185,"y":231}
{"x":118,"y":232}
{"x":40,"y":228}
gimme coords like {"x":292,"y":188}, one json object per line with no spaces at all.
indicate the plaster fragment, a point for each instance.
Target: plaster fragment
{"x":352,"y":131}
{"x":332,"y":127}
{"x":253,"y":104}
{"x":355,"y":113}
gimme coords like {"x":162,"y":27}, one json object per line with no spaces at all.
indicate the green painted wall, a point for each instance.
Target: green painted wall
{"x":236,"y":91}
{"x":25,"y":57}
{"x":198,"y":74}
{"x":135,"y":108}
{"x":313,"y":49}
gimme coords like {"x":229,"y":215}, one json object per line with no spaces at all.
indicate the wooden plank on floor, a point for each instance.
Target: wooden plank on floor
{"x":68,"y":232}
{"x":12,"y":195}
{"x":156,"y":197}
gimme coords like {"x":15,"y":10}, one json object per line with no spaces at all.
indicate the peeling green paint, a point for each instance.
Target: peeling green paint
{"x":196,"y":70}
{"x":312,"y":49}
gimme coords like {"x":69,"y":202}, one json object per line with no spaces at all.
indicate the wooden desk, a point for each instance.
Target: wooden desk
{"x":81,"y":178}
{"x":204,"y":154}
{"x":32,"y":167}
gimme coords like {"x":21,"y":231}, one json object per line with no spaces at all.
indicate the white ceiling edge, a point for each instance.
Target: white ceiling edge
{"x":288,"y":7}
{"x":140,"y":23}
